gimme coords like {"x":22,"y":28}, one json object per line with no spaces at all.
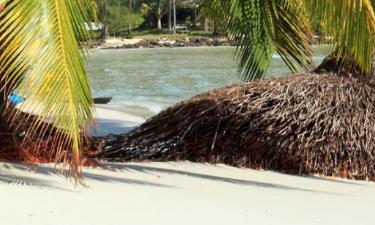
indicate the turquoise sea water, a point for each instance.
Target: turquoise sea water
{"x":153,"y":79}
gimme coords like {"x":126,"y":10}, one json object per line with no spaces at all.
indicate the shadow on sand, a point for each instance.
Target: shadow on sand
{"x":154,"y":169}
{"x":18,"y":180}
{"x":9,"y":179}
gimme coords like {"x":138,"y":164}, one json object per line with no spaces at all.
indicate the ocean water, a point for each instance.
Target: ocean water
{"x":145,"y":81}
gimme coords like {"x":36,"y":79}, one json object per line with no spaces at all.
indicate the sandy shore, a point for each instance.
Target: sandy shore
{"x":176,"y":193}
{"x":179,"y":193}
{"x":107,"y":120}
{"x":111,"y":121}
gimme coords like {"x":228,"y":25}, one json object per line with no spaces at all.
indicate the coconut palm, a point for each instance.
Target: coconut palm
{"x":261,"y":27}
{"x":41,"y":60}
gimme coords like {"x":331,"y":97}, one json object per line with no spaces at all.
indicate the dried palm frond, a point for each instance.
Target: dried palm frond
{"x":303,"y":124}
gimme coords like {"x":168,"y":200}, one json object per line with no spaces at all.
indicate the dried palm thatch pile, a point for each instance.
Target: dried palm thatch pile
{"x":303,"y":124}
{"x":35,"y":147}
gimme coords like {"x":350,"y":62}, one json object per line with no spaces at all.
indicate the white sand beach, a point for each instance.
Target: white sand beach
{"x":179,"y":193}
{"x":176,"y":193}
{"x":111,"y":121}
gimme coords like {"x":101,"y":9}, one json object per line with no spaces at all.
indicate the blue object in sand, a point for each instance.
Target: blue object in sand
{"x":15,"y":99}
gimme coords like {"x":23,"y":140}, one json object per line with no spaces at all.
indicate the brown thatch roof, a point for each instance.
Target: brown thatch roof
{"x":309,"y":124}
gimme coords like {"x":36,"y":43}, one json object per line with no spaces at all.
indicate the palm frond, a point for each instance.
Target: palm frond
{"x":261,"y":27}
{"x":352,"y":25}
{"x":41,"y":59}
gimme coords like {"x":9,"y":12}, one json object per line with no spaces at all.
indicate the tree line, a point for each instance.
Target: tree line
{"x":121,"y":17}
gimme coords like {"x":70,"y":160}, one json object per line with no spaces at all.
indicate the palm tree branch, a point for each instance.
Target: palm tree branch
{"x":352,"y":25}
{"x":261,"y":27}
{"x":41,"y":60}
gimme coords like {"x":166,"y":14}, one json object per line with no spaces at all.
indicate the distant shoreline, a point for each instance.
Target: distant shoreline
{"x":121,"y":43}
{"x":161,"y":42}
{"x":162,"y":48}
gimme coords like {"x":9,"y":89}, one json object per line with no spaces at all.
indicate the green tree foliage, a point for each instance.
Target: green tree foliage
{"x":158,"y":8}
{"x":212,"y":18}
{"x":119,"y":18}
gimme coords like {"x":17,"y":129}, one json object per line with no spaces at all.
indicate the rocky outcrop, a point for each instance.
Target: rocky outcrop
{"x":164,"y":43}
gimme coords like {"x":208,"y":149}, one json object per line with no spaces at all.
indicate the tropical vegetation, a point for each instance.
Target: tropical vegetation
{"x":121,"y":16}
{"x":146,"y":14}
{"x":41,"y":60}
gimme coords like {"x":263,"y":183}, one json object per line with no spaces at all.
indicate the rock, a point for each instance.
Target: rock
{"x":180,"y":40}
{"x":189,"y":44}
{"x":195,"y":40}
{"x":167,"y":44}
{"x":102,"y":100}
{"x":164,"y":42}
{"x":179,"y":44}
{"x":154,"y":42}
{"x":216,"y":42}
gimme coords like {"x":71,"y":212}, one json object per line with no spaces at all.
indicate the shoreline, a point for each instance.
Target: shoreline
{"x":121,"y":43}
{"x":157,"y":48}
{"x":161,"y":42}
{"x":111,"y":121}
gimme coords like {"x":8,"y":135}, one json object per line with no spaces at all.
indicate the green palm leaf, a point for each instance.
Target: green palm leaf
{"x":41,"y":59}
{"x":352,"y":25}
{"x":261,"y":27}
